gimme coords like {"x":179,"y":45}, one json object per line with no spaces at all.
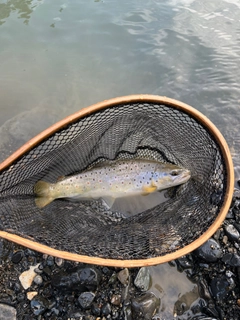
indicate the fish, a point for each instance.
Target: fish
{"x":112,"y":180}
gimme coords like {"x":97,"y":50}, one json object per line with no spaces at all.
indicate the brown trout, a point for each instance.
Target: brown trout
{"x":116,"y":179}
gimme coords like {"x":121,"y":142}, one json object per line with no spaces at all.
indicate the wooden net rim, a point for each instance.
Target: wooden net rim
{"x":142,"y":98}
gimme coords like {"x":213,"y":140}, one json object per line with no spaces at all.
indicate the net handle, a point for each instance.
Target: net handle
{"x":142,"y":98}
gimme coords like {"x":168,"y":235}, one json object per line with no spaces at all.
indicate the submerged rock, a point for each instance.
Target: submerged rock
{"x":145,"y":307}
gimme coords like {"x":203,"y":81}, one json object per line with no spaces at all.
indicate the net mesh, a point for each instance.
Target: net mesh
{"x":133,"y":130}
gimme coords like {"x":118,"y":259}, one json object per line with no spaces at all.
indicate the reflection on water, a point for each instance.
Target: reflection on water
{"x":176,"y":292}
{"x":23,"y":8}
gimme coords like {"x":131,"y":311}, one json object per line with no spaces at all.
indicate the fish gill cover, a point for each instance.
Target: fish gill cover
{"x":128,"y":130}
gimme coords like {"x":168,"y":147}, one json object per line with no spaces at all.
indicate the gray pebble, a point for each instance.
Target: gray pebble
{"x":39,"y":305}
{"x":86,"y":299}
{"x":123,"y":276}
{"x":143,"y":279}
{"x":7,"y":312}
{"x":232,"y":232}
{"x":232,"y":259}
{"x":38,"y":279}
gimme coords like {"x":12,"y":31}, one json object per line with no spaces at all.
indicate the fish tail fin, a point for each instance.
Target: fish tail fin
{"x":43,"y":201}
{"x":41,"y":189}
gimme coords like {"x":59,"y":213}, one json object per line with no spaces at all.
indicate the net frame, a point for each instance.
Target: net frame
{"x":113,"y":103}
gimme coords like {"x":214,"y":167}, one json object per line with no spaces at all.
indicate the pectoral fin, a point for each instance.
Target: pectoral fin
{"x":149,"y":189}
{"x":109,"y":201}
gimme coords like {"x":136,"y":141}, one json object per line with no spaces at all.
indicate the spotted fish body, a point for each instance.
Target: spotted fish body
{"x":116,"y":179}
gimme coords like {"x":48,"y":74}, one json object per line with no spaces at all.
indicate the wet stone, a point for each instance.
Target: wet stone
{"x":144,"y":307}
{"x":106,"y":309}
{"x":95,"y":308}
{"x":79,"y":279}
{"x":86,"y":299}
{"x":7,"y":312}
{"x":221,"y":286}
{"x":123,"y":276}
{"x":230,"y":214}
{"x":232,"y":259}
{"x":17,"y":256}
{"x":39,"y":305}
{"x":210,"y":251}
{"x":143,"y":279}
{"x":232,"y":232}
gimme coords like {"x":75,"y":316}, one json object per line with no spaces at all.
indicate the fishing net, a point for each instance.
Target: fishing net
{"x":145,"y":127}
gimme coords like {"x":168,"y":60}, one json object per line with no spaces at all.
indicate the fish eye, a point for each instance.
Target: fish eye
{"x":174,"y":173}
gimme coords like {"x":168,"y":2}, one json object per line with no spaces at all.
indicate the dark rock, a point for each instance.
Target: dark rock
{"x":144,"y":307}
{"x":210,"y":251}
{"x":143,"y":279}
{"x":39,"y":305}
{"x":80,"y":279}
{"x":232,"y":259}
{"x":95,"y":308}
{"x":232,"y":232}
{"x":230,"y":214}
{"x":7,"y":312}
{"x":17,"y":256}
{"x":220,"y":287}
{"x":86,"y":299}
{"x":183,"y":263}
{"x":106,"y":309}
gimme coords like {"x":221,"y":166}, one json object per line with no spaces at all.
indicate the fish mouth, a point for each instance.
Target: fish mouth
{"x":184,"y":176}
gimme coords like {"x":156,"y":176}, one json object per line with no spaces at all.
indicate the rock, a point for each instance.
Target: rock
{"x":116,"y":299}
{"x":39,"y":305}
{"x":31,"y":294}
{"x":26,"y":278}
{"x":123,"y":276}
{"x":231,"y":232}
{"x":183,"y":263}
{"x":230,"y":214}
{"x":38,"y":279}
{"x":7,"y":312}
{"x":143,"y":279}
{"x":106,"y":309}
{"x":79,"y":279}
{"x":95,"y":308}
{"x":232,"y":259}
{"x":59,"y":262}
{"x":145,"y":307}
{"x":221,"y":286}
{"x":17,"y":256}
{"x":86,"y":299}
{"x":210,"y":251}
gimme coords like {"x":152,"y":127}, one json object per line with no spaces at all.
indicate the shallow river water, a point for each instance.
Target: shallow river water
{"x":57,"y":57}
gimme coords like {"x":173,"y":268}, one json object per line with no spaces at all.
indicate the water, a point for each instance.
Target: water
{"x":58,"y":57}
